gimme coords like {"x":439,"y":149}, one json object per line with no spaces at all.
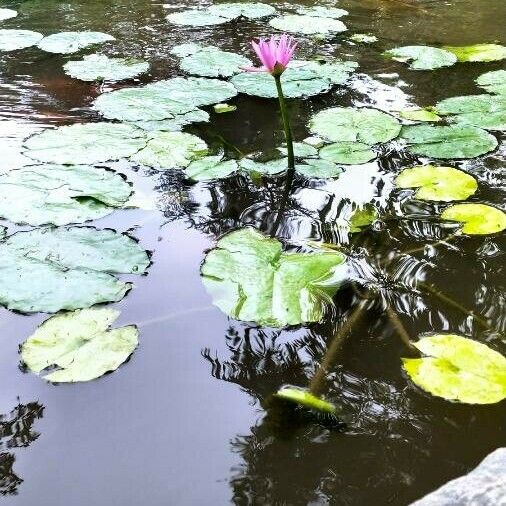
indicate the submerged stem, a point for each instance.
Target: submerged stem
{"x":286,"y":123}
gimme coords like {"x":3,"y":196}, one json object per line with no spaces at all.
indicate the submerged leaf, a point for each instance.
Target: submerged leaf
{"x":211,"y":167}
{"x":308,"y":25}
{"x":422,"y":57}
{"x":348,"y":153}
{"x":478,"y":52}
{"x":11,"y":40}
{"x":72,"y":42}
{"x":477,"y":219}
{"x":81,"y":344}
{"x":493,"y":82}
{"x":458,"y":369}
{"x":251,"y":279}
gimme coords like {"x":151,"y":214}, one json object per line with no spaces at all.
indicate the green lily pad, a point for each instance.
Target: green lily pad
{"x":308,"y":25}
{"x":176,"y":123}
{"x":458,"y":369}
{"x":211,"y":167}
{"x":47,"y":270}
{"x":300,"y":150}
{"x":87,"y":143}
{"x":223,"y":108}
{"x":478,"y":52}
{"x":349,"y":124}
{"x":363,"y":38}
{"x":196,"y":17}
{"x":477,"y":219}
{"x":60,"y":194}
{"x":437,"y":183}
{"x":7,"y":14}
{"x":322,"y":12}
{"x":456,"y":141}
{"x":72,"y":42}
{"x":251,"y":279}
{"x":348,"y":153}
{"x":270,"y":167}
{"x":213,"y":62}
{"x":484,"y":111}
{"x":97,"y":67}
{"x":362,"y":218}
{"x":318,"y":169}
{"x":80,"y":344}
{"x":170,"y":150}
{"x":422,"y":57}
{"x":493,"y":82}
{"x":305,"y":399}
{"x":249,"y":10}
{"x":419,"y":115}
{"x":11,"y":40}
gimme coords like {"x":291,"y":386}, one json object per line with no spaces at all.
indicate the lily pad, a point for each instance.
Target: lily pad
{"x":349,"y":124}
{"x":318,"y":169}
{"x":456,"y":141}
{"x":419,"y":115}
{"x":493,"y":82}
{"x":51,"y":269}
{"x":72,"y":42}
{"x":422,"y":57}
{"x":477,"y":219}
{"x":484,"y":111}
{"x":363,"y":38}
{"x":196,"y":17}
{"x":270,"y":167}
{"x":11,"y":40}
{"x":478,"y":52}
{"x":223,"y":108}
{"x":176,"y":123}
{"x":304,"y":398}
{"x":458,"y":369}
{"x":348,"y":153}
{"x":60,"y":194}
{"x":211,"y":167}
{"x":251,"y":279}
{"x":213,"y":62}
{"x":87,"y":143}
{"x":308,"y":25}
{"x":7,"y":14}
{"x":170,"y":150}
{"x":300,"y":150}
{"x":438,"y":183}
{"x":249,"y":10}
{"x":97,"y":67}
{"x":186,"y":49}
{"x":80,"y":344}
{"x":322,"y":12}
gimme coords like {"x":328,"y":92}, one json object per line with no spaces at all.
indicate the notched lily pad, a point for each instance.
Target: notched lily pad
{"x":478,"y":52}
{"x":347,"y":153}
{"x":422,"y":57}
{"x":458,"y":369}
{"x":308,"y":25}
{"x":251,"y":279}
{"x":80,"y":345}
{"x":11,"y":40}
{"x":438,"y":183}
{"x":476,"y":219}
{"x":72,"y":42}
{"x":494,"y":82}
{"x":211,"y":167}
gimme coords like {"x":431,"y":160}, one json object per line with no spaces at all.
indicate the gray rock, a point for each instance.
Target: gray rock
{"x":484,"y":486}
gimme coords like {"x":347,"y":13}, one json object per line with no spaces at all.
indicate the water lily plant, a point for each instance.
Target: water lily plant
{"x":275,"y":55}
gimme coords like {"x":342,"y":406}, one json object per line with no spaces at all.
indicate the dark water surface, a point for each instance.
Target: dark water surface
{"x":184,"y":422}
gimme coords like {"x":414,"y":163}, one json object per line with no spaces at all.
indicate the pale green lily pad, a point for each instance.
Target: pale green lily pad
{"x":494,"y":82}
{"x":249,"y":10}
{"x":11,"y":40}
{"x":213,"y":62}
{"x":170,"y":150}
{"x":60,"y":194}
{"x":349,"y":124}
{"x":484,"y":111}
{"x":196,"y":17}
{"x":223,"y":108}
{"x":72,"y":42}
{"x":304,"y":398}
{"x":80,"y":344}
{"x":270,"y":167}
{"x":318,"y":169}
{"x":419,"y":115}
{"x":186,"y":49}
{"x":308,"y":25}
{"x":7,"y":14}
{"x":456,"y":141}
{"x":477,"y":219}
{"x":87,"y":143}
{"x":438,"y":183}
{"x":300,"y":150}
{"x":176,"y":123}
{"x":98,"y":67}
{"x":251,"y":279}
{"x":422,"y":57}
{"x":348,"y":153}
{"x":478,"y":52}
{"x":363,"y":38}
{"x":47,"y":270}
{"x":458,"y":369}
{"x":211,"y":167}
{"x":322,"y":12}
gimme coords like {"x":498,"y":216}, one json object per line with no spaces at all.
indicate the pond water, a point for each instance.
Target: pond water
{"x":187,"y":419}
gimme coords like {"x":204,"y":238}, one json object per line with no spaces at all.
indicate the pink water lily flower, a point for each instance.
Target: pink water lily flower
{"x":275,"y":54}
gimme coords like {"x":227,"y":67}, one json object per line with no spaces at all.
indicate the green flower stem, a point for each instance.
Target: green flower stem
{"x":286,"y":123}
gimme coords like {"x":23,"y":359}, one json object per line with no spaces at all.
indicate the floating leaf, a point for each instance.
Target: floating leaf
{"x":419,"y":115}
{"x":182,"y":50}
{"x":170,"y":150}
{"x":478,"y":52}
{"x":211,"y":167}
{"x":422,"y":57}
{"x":322,"y":12}
{"x":213,"y":62}
{"x":362,"y":217}
{"x":60,"y":194}
{"x":11,"y":40}
{"x":363,"y":38}
{"x":251,"y":279}
{"x":456,"y":141}
{"x":222,"y":108}
{"x":72,"y":42}
{"x":484,"y":111}
{"x":308,"y":25}
{"x":52,"y":269}
{"x":477,"y":219}
{"x":301,"y":150}
{"x":7,"y":14}
{"x":176,"y":123}
{"x":349,"y":124}
{"x":271,"y":167}
{"x":348,"y":153}
{"x":249,"y":10}
{"x":493,"y":82}
{"x":85,"y":143}
{"x":97,"y":67}
{"x":196,"y":17}
{"x":437,"y":183}
{"x":458,"y":369}
{"x":319,"y":169}
{"x":304,"y":398}
{"x":80,"y":344}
